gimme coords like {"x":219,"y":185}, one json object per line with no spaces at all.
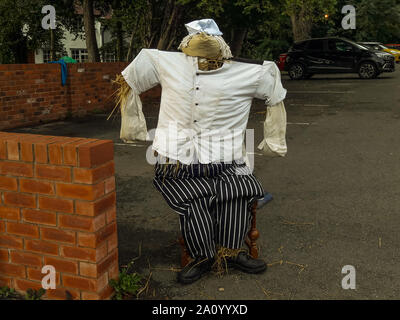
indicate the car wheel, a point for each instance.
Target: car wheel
{"x":296,"y":71}
{"x":367,"y":70}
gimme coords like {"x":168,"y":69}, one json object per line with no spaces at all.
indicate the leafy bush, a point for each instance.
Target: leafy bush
{"x":127,"y":284}
{"x":32,"y":294}
{"x":7,"y":293}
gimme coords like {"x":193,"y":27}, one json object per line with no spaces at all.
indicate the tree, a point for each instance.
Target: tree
{"x":21,"y":30}
{"x":90,"y":34}
{"x":304,"y":13}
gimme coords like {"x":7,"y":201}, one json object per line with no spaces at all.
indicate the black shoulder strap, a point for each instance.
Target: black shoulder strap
{"x":248,"y":60}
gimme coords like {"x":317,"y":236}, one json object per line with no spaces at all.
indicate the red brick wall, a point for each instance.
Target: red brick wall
{"x":32,"y":93}
{"x":57,"y":207}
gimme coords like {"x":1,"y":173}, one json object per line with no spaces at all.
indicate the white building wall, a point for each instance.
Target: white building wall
{"x":71,"y":41}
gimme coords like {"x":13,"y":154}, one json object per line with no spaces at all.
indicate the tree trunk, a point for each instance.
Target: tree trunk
{"x":90,"y":33}
{"x":52,"y":49}
{"x":120,"y":42}
{"x":237,"y":41}
{"x":129,"y":55}
{"x":301,"y":26}
{"x":166,"y":28}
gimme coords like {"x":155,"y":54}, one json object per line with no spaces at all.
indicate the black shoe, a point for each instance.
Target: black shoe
{"x":194,"y":270}
{"x":246,"y":263}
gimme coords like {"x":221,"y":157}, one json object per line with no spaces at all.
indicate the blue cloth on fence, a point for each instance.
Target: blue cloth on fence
{"x":64,"y":72}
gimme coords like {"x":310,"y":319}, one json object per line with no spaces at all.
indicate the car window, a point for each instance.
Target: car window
{"x":339,"y":46}
{"x":299,"y":45}
{"x":315,"y":45}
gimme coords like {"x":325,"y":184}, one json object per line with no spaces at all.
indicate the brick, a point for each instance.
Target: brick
{"x":90,"y":176}
{"x":5,"y":281}
{"x":70,"y":151}
{"x":104,"y":294}
{"x":62,"y":265}
{"x":16,"y":169}
{"x":25,"y":258}
{"x":3,"y":150}
{"x":12,"y":150}
{"x":95,"y":153}
{"x":19,"y":199}
{"x":56,"y":204}
{"x":55,"y":149}
{"x":96,"y":207}
{"x":113,"y":272}
{"x":111,"y":215}
{"x":92,"y":240}
{"x":4,"y":255}
{"x":2,"y":226}
{"x":55,"y":154}
{"x":7,"y":241}
{"x":37,"y":275}
{"x":39,"y":217}
{"x":112,"y":242}
{"x":22,"y":229}
{"x":26,"y":149}
{"x":41,"y":148}
{"x":41,"y":152}
{"x":94,"y":270}
{"x":13,"y":270}
{"x":9,"y":213}
{"x":35,"y":186}
{"x":41,"y":247}
{"x":7,"y":183}
{"x":58,"y":235}
{"x":53,"y":172}
{"x":63,"y":294}
{"x":86,"y":254}
{"x":24,"y":285}
{"x":82,"y":283}
{"x":81,"y":192}
{"x":109,"y":185}
{"x":81,"y":223}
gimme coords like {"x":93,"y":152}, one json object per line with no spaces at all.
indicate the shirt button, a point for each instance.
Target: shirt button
{"x":197,"y":88}
{"x":194,"y":120}
{"x":196,"y":104}
{"x":197,"y":74}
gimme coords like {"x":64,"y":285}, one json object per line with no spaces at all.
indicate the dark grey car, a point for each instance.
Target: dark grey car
{"x":335,"y":55}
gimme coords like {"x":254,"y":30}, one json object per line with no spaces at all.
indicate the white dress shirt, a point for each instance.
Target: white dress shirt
{"x":203,"y":114}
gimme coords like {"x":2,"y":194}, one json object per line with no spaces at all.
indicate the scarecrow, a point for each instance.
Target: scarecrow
{"x":201,"y":165}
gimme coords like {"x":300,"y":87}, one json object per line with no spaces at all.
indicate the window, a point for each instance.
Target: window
{"x":339,"y":46}
{"x":109,"y":57}
{"x":316,"y":46}
{"x":46,"y":56}
{"x":80,"y":55}
{"x":299,"y":45}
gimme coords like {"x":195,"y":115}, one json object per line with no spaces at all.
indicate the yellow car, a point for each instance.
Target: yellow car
{"x":380,"y":47}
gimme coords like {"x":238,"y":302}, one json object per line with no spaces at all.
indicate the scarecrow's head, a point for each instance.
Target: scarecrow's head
{"x":204,"y":41}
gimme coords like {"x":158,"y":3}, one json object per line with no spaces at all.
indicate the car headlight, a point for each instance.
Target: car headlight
{"x":381,"y":55}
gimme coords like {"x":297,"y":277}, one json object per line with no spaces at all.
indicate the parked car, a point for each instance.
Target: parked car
{"x":380,"y":47}
{"x":393,"y":45}
{"x":281,"y":61}
{"x":335,"y":55}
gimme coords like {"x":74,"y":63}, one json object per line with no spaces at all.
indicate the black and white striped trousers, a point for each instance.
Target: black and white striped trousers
{"x":213,"y":201}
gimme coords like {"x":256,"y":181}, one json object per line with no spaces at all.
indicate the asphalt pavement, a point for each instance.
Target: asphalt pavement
{"x":336,"y":198}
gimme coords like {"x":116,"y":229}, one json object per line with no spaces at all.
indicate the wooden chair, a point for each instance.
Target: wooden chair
{"x":252,"y":235}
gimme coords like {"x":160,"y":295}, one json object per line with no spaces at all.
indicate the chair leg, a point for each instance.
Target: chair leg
{"x":185,"y":257}
{"x":253,"y":233}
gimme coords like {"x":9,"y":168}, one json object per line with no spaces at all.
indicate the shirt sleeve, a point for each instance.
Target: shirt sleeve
{"x":270,"y":86}
{"x":142,"y":73}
